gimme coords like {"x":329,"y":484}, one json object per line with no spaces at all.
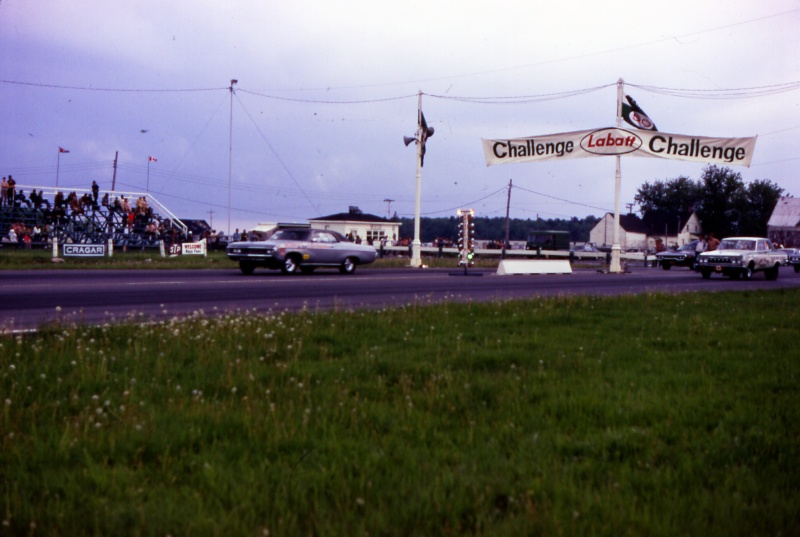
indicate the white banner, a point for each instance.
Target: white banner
{"x":617,"y":141}
{"x":194,"y":248}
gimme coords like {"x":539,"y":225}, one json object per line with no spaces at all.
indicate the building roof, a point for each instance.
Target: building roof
{"x":786,"y":213}
{"x":352,"y":216}
{"x":659,"y":222}
{"x":653,"y":223}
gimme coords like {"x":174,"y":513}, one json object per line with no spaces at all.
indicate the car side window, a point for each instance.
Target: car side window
{"x":325,"y":237}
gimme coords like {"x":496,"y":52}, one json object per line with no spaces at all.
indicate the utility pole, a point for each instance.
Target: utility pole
{"x":114,"y":178}
{"x":508,"y":207}
{"x":211,"y":218}
{"x":388,"y":207}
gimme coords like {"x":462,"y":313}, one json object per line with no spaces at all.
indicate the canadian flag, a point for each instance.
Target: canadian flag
{"x":62,"y":150}
{"x":152,"y":159}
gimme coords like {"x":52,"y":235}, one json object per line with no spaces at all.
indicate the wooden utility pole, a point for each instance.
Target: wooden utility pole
{"x":114,"y":178}
{"x":508,"y":207}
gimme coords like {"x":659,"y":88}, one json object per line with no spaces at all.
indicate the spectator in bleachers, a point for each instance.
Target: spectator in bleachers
{"x":4,"y":191}
{"x":95,"y":194}
{"x":10,"y":193}
{"x":126,"y":206}
{"x":12,"y":235}
{"x":20,"y":199}
{"x":104,"y":203}
{"x":58,"y":201}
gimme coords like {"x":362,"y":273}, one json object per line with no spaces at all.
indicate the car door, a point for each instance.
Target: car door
{"x":324,"y":248}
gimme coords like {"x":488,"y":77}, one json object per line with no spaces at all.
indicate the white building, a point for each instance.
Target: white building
{"x":371,"y":229}
{"x":644,"y":234}
{"x":784,"y":224}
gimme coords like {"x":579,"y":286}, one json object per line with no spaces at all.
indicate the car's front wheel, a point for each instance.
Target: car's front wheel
{"x":797,"y":268}
{"x":747,"y":273}
{"x":706,"y":273}
{"x":666,"y":265}
{"x":290,"y":265}
{"x":348,"y":266}
{"x":246,"y":267}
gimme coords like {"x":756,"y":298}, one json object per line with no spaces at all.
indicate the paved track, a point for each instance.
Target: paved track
{"x":29,"y":298}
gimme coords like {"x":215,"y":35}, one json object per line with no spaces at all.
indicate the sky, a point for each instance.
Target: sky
{"x":326,"y":90}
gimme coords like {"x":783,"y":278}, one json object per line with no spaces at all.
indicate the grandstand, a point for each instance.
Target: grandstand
{"x":76,"y":217}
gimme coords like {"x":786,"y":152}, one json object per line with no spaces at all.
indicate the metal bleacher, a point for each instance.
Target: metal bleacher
{"x":96,"y":225}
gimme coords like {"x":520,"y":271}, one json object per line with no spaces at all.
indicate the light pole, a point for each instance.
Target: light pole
{"x":230,"y":156}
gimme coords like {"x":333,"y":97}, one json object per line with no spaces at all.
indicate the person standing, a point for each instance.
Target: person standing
{"x":95,"y":194}
{"x":4,"y":190}
{"x":10,"y":192}
{"x":699,"y":248}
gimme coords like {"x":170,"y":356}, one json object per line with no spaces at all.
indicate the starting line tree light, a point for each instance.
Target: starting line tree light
{"x":466,"y":238}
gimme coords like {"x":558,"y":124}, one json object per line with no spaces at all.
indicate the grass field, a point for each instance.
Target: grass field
{"x":648,"y":415}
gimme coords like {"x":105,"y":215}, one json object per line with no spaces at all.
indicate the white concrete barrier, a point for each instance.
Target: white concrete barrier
{"x":533,"y":266}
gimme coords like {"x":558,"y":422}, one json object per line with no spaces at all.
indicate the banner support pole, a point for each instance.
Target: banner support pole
{"x":616,"y":266}
{"x":416,"y":244}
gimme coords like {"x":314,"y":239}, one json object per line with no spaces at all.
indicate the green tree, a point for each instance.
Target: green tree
{"x":762,"y":197}
{"x":673,"y":196}
{"x":723,"y":202}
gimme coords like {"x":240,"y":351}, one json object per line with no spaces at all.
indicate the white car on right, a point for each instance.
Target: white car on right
{"x":742,"y":257}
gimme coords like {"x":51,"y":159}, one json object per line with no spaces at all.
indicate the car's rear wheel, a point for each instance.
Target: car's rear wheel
{"x":797,"y":268}
{"x":772,"y":274}
{"x":246,"y":267}
{"x":348,"y":266}
{"x":290,"y":265}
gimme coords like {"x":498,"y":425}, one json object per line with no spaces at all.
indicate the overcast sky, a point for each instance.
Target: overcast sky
{"x":327,"y":89}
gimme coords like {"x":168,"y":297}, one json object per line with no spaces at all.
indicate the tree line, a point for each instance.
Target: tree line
{"x":495,"y":228}
{"x":723,"y":203}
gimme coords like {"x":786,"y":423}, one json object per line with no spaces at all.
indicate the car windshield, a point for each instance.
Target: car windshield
{"x":737,"y":245}
{"x":291,"y":235}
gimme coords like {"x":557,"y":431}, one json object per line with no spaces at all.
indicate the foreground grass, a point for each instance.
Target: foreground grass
{"x":649,"y":415}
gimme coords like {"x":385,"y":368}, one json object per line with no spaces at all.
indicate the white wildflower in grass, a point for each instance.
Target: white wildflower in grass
{"x":8,"y":402}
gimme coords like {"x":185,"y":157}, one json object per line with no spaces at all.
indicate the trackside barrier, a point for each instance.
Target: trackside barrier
{"x":533,"y":266}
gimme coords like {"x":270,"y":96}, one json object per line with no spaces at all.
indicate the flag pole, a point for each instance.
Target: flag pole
{"x":148,"y":175}
{"x":416,"y":258}
{"x":616,"y":266}
{"x":58,"y":165}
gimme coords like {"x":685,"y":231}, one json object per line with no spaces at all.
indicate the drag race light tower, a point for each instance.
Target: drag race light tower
{"x":466,"y":238}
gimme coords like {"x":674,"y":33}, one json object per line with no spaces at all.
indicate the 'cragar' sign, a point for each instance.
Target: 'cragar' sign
{"x":84,"y":250}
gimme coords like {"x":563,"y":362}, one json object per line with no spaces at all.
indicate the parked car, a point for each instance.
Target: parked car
{"x":681,"y":257}
{"x":301,"y":249}
{"x":742,"y":257}
{"x":793,"y":258}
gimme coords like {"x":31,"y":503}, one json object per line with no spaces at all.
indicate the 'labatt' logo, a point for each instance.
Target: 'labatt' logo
{"x":611,"y":141}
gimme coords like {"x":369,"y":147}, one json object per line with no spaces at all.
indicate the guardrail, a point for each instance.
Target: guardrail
{"x":432,"y":251}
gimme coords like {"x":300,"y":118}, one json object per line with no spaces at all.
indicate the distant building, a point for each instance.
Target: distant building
{"x":784,"y":224}
{"x":644,"y":233}
{"x":371,"y":229}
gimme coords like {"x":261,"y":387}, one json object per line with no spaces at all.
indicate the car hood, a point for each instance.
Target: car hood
{"x":725,"y":252}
